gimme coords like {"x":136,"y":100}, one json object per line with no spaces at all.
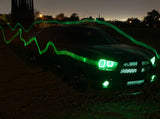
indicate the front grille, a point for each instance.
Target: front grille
{"x":128,"y":71}
{"x":130,"y":64}
{"x":135,"y":67}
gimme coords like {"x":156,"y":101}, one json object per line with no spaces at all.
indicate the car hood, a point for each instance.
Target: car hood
{"x":113,"y":52}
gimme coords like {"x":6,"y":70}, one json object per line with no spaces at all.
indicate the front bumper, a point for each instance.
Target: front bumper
{"x":118,"y":81}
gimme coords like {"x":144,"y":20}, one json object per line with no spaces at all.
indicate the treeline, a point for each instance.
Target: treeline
{"x":151,"y":20}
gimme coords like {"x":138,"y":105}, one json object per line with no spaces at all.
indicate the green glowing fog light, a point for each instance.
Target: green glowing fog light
{"x":153,"y":59}
{"x":105,"y":84}
{"x":153,"y":78}
{"x":107,"y":65}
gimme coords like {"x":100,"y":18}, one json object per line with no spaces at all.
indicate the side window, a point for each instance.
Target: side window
{"x":61,"y":38}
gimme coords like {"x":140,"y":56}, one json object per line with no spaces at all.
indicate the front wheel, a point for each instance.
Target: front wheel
{"x":80,"y":80}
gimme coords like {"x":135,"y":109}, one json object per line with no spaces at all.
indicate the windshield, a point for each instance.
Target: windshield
{"x":83,"y":36}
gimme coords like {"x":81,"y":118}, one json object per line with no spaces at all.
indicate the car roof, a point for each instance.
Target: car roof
{"x":71,"y":27}
{"x":48,"y":32}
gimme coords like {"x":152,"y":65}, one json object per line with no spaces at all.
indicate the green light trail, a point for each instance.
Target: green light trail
{"x":67,"y":53}
{"x":74,"y":56}
{"x":91,"y":21}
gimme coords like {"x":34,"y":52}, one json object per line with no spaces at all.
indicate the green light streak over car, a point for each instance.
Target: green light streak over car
{"x":90,"y":21}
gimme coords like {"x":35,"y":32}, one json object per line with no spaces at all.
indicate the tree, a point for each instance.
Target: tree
{"x":133,"y":21}
{"x":60,"y":17}
{"x":9,"y":18}
{"x":5,"y":18}
{"x":152,"y":18}
{"x":2,"y":22}
{"x":90,"y":17}
{"x":47,"y":17}
{"x":74,"y":17}
{"x":36,"y":14}
{"x":100,"y":19}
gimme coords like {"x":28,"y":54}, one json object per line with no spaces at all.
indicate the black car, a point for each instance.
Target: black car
{"x":86,"y":57}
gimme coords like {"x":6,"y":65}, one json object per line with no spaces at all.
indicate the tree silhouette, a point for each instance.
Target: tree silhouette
{"x":60,"y":17}
{"x":2,"y":22}
{"x":133,"y":21}
{"x":74,"y":17}
{"x":152,"y":18}
{"x":36,"y":14}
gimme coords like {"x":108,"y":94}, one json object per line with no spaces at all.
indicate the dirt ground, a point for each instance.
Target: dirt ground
{"x":31,"y":93}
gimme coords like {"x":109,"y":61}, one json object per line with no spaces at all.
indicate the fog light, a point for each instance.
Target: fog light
{"x":153,"y":59}
{"x":105,"y":84}
{"x":153,"y":78}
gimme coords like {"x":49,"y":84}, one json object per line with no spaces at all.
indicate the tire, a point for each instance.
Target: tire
{"x":79,"y":80}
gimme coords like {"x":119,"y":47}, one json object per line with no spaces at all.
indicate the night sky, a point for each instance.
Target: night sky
{"x":109,"y":9}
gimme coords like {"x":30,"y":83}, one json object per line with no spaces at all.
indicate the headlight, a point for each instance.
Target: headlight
{"x":153,"y":60}
{"x":107,"y":65}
